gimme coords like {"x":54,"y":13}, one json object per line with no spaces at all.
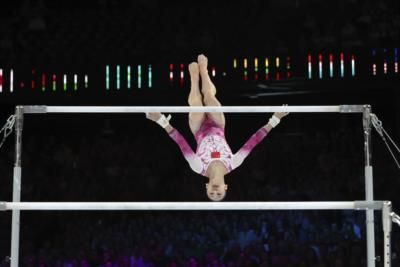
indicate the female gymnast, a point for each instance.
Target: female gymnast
{"x":213,"y":158}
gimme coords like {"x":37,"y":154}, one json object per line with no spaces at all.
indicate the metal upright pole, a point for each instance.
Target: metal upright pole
{"x":15,"y":226}
{"x":387,"y":230}
{"x":369,"y":187}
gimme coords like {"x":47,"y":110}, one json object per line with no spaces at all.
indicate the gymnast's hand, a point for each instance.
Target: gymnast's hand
{"x":153,"y":116}
{"x":280,"y":115}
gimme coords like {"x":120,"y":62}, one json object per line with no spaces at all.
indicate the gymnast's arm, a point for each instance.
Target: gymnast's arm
{"x":256,"y":138}
{"x":193,"y":160}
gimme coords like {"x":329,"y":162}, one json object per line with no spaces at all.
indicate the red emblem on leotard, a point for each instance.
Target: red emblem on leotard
{"x":215,"y":154}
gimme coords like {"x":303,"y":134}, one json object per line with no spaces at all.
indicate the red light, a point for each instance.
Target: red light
{"x":278,"y":76}
{"x":341,"y":57}
{"x":54,"y":77}
{"x":256,"y":77}
{"x":309,"y":58}
{"x":33,"y":84}
{"x":171,"y":72}
{"x":181,"y":75}
{"x":319,"y":57}
{"x":330,"y":58}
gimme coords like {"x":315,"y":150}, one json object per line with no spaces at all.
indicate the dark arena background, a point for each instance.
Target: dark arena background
{"x":136,"y":53}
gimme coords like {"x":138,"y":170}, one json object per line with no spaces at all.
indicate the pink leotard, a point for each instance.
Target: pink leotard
{"x":212,"y":145}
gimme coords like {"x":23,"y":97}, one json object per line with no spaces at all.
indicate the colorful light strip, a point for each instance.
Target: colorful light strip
{"x":65,"y":82}
{"x":385,"y":61}
{"x":128,"y":77}
{"x":171,"y":72}
{"x":235,"y":63}
{"x":288,"y":68}
{"x":150,"y":77}
{"x":86,"y":81}
{"x":33,"y":83}
{"x":277,"y":64}
{"x":373,"y":62}
{"x":107,"y":77}
{"x":342,"y":64}
{"x":75,"y":82}
{"x":330,"y":65}
{"x":320,"y":70}
{"x":43,"y":82}
{"x":213,"y":71}
{"x":396,"y":61}
{"x":309,"y":63}
{"x":181,"y":74}
{"x":54,"y":82}
{"x":139,"y":78}
{"x":266,"y":68}
{"x":11,"y":80}
{"x":118,"y":78}
{"x":256,"y":69}
{"x":353,"y":65}
{"x":245,"y":73}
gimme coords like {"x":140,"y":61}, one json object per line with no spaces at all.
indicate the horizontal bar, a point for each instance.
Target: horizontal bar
{"x":187,"y":109}
{"x":336,"y":205}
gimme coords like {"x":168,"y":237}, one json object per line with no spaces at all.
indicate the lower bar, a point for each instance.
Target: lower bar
{"x":336,"y":205}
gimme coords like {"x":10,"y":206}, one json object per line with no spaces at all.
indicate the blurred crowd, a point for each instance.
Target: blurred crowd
{"x":108,"y":160}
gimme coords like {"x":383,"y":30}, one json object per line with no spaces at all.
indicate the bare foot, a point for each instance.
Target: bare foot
{"x":206,"y":82}
{"x":203,"y":62}
{"x":194,"y":71}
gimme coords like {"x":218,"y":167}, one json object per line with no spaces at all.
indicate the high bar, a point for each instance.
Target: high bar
{"x":308,"y":205}
{"x":187,"y":109}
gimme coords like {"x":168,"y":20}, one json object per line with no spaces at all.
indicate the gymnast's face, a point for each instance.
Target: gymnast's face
{"x":216,"y":192}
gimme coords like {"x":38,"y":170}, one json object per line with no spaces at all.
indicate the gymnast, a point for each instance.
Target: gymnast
{"x":213,"y":158}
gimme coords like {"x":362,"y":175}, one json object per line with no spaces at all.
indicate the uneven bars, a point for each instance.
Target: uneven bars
{"x":187,"y":109}
{"x":309,"y":205}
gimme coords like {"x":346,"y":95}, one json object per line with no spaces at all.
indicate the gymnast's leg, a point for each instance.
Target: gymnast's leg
{"x":195,"y":98}
{"x":208,"y":89}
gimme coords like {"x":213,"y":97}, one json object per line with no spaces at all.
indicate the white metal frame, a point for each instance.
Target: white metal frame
{"x":369,"y":204}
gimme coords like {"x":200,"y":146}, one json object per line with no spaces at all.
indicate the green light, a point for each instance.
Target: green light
{"x":150,"y":77}
{"x":107,"y":77}
{"x":65,"y":82}
{"x":139,"y":79}
{"x":118,"y":77}
{"x":128,"y":77}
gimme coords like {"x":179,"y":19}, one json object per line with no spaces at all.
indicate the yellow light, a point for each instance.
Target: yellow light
{"x":245,"y":63}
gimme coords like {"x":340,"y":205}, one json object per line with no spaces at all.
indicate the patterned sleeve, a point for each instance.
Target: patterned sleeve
{"x":193,"y":160}
{"x":245,"y":150}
